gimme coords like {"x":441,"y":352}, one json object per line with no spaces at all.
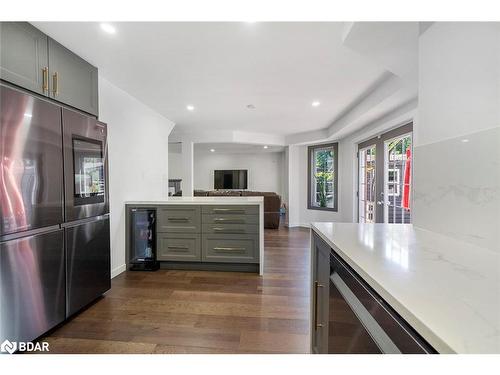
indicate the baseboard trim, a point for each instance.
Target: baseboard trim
{"x":209,"y":266}
{"x":118,"y":270}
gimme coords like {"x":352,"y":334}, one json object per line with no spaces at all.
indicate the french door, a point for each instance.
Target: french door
{"x":384,"y":180}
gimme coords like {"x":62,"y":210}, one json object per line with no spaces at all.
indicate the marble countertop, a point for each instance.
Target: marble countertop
{"x":447,"y":290}
{"x":204,"y":200}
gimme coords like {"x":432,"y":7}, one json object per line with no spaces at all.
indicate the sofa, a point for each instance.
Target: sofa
{"x":272,"y":202}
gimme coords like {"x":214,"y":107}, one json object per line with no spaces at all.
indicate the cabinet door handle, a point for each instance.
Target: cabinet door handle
{"x":317,"y":285}
{"x":229,"y":248}
{"x":45,"y":79}
{"x":55,"y":84}
{"x":235,"y":221}
{"x":216,"y":229}
{"x":234,"y":210}
{"x":178,"y":219}
{"x":178,"y":247}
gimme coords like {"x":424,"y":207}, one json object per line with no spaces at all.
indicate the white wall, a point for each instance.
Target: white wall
{"x":187,"y":165}
{"x":180,"y":165}
{"x":174,"y":161}
{"x":265,"y":170}
{"x":459,"y":80}
{"x":293,"y":193}
{"x":457,"y":141}
{"x":284,"y":176}
{"x":138,"y":158}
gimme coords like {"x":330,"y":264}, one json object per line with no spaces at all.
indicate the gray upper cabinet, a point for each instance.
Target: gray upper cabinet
{"x":23,"y":56}
{"x":73,"y":81}
{"x":32,"y":60}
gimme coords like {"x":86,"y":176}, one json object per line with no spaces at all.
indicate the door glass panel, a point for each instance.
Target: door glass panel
{"x":366,"y":189}
{"x":397,"y":178}
{"x":88,"y":171}
{"x":142,"y":235}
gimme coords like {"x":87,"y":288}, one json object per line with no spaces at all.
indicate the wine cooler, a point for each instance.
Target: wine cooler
{"x":143,"y":240}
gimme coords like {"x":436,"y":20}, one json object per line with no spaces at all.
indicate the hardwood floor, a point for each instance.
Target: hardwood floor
{"x":200,"y":311}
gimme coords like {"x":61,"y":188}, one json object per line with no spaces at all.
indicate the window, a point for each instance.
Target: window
{"x":393,"y":182}
{"x":323,"y":177}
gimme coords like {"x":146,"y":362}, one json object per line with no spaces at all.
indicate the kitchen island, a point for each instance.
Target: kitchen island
{"x":210,"y":233}
{"x":445,"y":290}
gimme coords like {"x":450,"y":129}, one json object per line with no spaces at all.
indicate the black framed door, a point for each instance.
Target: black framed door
{"x":384,"y":177}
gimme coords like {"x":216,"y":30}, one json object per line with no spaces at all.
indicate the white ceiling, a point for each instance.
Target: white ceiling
{"x":220,"y":68}
{"x":391,"y":45}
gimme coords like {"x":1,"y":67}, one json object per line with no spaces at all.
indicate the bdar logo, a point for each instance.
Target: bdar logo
{"x":23,"y":346}
{"x":8,"y":346}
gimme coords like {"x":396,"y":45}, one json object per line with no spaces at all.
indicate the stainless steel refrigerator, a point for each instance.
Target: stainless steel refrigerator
{"x":54,"y":223}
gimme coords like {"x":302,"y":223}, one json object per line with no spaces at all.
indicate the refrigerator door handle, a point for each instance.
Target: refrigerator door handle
{"x":83,"y":221}
{"x":28,"y":233}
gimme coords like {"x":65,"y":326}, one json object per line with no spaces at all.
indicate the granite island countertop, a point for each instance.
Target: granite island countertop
{"x":447,"y":290}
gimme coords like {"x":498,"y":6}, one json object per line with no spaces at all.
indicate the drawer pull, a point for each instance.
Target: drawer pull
{"x":229,"y":248}
{"x":235,"y":221}
{"x":233,"y":210}
{"x":316,"y":286}
{"x":178,"y":247}
{"x":228,"y":230}
{"x":178,"y":219}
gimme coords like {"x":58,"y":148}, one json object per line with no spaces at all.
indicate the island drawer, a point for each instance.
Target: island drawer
{"x":230,"y":248}
{"x":230,"y":210}
{"x":230,"y":228}
{"x":179,"y":219}
{"x":179,"y":247}
{"x":229,"y":219}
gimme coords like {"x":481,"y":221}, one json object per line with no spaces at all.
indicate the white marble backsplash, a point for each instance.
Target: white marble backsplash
{"x":457,"y":188}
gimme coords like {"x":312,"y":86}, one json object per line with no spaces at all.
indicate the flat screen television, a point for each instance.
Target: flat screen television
{"x":230,"y":179}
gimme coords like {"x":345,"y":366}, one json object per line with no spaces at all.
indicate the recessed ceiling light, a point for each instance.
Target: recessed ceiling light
{"x":465,"y":140}
{"x":212,"y":150}
{"x":108,"y":28}
{"x":266,"y":146}
{"x":190,"y":107}
{"x":315,"y":104}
